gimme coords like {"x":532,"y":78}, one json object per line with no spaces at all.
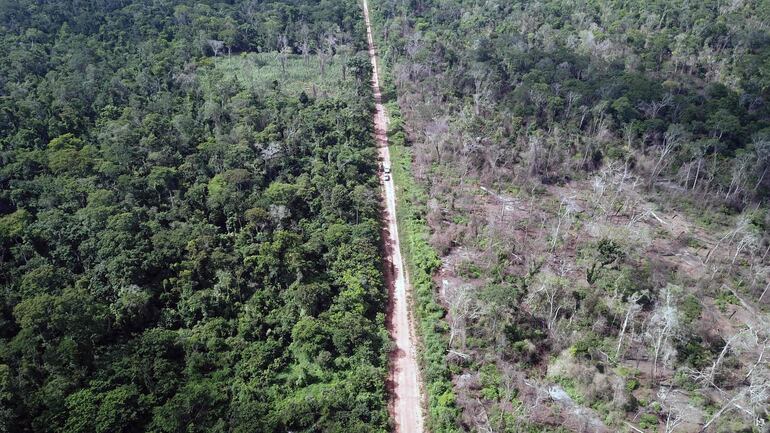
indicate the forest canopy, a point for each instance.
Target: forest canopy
{"x":188,"y":219}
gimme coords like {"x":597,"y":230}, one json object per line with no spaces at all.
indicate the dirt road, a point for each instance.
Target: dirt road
{"x":406,"y":397}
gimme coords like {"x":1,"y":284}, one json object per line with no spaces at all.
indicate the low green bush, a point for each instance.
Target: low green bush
{"x":724,"y":299}
{"x":422,"y":261}
{"x":691,"y":308}
{"x":648,"y":421}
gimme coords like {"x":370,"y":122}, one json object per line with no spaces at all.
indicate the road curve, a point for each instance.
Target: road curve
{"x":405,"y":405}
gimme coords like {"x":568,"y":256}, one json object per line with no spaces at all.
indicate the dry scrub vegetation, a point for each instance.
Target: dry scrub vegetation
{"x":595,"y":177}
{"x":595,"y":305}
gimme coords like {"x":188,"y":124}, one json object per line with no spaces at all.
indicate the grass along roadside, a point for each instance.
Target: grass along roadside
{"x":419,"y":257}
{"x":421,"y":261}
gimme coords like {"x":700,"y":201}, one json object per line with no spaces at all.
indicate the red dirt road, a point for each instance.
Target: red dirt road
{"x":405,"y":404}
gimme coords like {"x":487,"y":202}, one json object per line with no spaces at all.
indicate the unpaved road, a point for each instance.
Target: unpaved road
{"x":405,"y":404}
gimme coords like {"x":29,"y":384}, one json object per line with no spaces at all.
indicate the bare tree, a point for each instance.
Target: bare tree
{"x":612,"y":183}
{"x":632,"y":310}
{"x":673,"y":420}
{"x":673,"y":416}
{"x":462,"y":307}
{"x":718,"y":361}
{"x":664,"y":323}
{"x":481,"y":91}
{"x":726,"y":406}
{"x":762,"y":348}
{"x":652,"y":109}
{"x":700,"y":156}
{"x":304,"y":45}
{"x":549,"y":300}
{"x":672,"y":139}
{"x":567,"y":208}
{"x":283,"y":51}
{"x":216,"y":46}
{"x":572,"y":99}
{"x":742,"y":236}
{"x":534,"y":155}
{"x":761,"y":146}
{"x":764,"y":292}
{"x":739,"y":175}
{"x":325,"y":53}
{"x":436,"y":134}
{"x":751,"y":400}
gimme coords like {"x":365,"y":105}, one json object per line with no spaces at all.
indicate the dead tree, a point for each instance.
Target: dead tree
{"x":304,"y":45}
{"x":283,"y":51}
{"x":751,"y":400}
{"x":653,"y":108}
{"x":722,"y":354}
{"x":325,"y":53}
{"x":672,"y":139}
{"x":462,"y":307}
{"x":566,"y":209}
{"x":631,"y":311}
{"x":664,"y":324}
{"x":673,"y":420}
{"x":549,"y":299}
{"x":216,"y":46}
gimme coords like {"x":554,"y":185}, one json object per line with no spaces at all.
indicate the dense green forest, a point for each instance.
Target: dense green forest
{"x":594,"y":176}
{"x":188,"y":218}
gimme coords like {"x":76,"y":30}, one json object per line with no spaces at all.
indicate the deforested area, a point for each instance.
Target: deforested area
{"x":189,"y":218}
{"x":592,"y":178}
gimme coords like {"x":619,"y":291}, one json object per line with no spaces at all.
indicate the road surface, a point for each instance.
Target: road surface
{"x":405,"y":404}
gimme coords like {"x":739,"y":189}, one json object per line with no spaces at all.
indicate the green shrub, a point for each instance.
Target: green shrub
{"x":584,"y":348}
{"x":632,"y":385}
{"x":691,"y":308}
{"x":648,"y":421}
{"x":570,"y":387}
{"x":469,"y":270}
{"x":693,"y":352}
{"x":724,"y":299}
{"x":490,"y":382}
{"x":422,"y":260}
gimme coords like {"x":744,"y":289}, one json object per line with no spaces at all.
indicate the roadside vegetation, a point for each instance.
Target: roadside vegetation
{"x":422,"y":262}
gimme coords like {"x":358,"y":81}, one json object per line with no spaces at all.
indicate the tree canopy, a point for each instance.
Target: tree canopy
{"x":183,"y":248}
